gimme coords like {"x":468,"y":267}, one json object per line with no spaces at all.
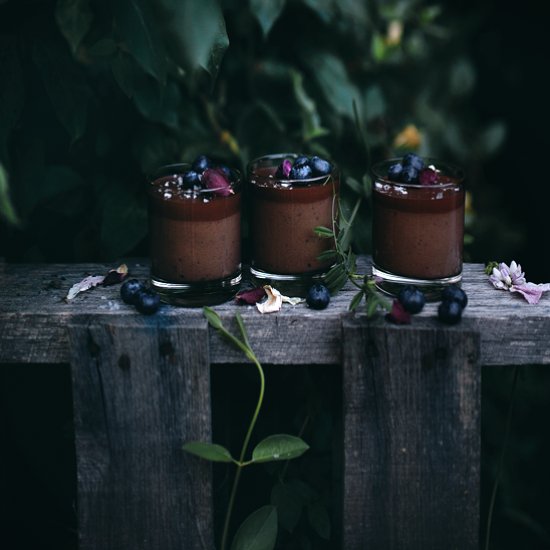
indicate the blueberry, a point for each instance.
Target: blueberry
{"x":412,"y":299}
{"x":409,"y":175}
{"x":147,"y":302}
{"x":201,"y":163}
{"x":302,"y":160}
{"x":449,"y":312}
{"x":455,"y":293}
{"x":300,"y":172}
{"x":318,"y":296}
{"x":130,"y":289}
{"x":411,"y":159}
{"x":320,"y":167}
{"x":394,"y":171}
{"x":190,"y":178}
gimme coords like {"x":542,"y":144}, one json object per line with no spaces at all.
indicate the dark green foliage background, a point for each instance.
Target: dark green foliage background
{"x":94,"y":94}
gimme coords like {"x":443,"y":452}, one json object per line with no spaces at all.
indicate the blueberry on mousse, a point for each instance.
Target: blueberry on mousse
{"x":303,"y":168}
{"x":412,"y":169}
{"x":201,"y":163}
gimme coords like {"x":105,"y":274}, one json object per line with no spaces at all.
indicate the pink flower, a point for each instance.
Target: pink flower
{"x":398,"y":315}
{"x":512,"y":278}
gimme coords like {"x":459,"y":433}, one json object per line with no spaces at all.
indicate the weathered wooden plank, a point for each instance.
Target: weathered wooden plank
{"x":33,"y":317}
{"x":411,"y":437}
{"x":141,"y":389}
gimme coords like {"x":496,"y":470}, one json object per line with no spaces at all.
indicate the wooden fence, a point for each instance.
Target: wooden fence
{"x":141,"y":387}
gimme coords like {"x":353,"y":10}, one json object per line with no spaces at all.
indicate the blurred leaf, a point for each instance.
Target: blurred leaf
{"x":323,"y":8}
{"x":491,"y":139}
{"x":429,"y":13}
{"x":289,"y":505}
{"x":267,"y":12}
{"x":154,"y":100}
{"x":378,"y":47}
{"x":311,"y":122}
{"x":258,"y":531}
{"x":356,"y":300}
{"x":123,"y":221}
{"x":137,"y":27}
{"x":462,"y":77}
{"x":375,"y":104}
{"x":196,"y":32}
{"x":319,"y":519}
{"x":332,"y":77}
{"x":12,"y":90}
{"x":321,"y":231}
{"x":354,"y":185}
{"x":7,"y":211}
{"x":279,"y":447}
{"x":65,"y":86}
{"x":208,"y":451}
{"x":103,"y":48}
{"x":74,"y":19}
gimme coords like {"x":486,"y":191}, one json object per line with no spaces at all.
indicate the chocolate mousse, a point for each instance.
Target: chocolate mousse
{"x":418,"y":221}
{"x":194,"y":228}
{"x":288,"y":200}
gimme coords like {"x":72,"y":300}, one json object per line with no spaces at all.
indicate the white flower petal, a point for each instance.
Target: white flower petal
{"x":273,"y":303}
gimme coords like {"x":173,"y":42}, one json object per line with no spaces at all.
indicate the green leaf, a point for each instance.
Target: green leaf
{"x":208,"y":451}
{"x":311,"y":121}
{"x":156,"y":101}
{"x":65,"y":86}
{"x":491,"y":139}
{"x":267,"y":12}
{"x":212,"y":317}
{"x":137,"y":27}
{"x":289,"y":505}
{"x":356,"y":300}
{"x":279,"y":447}
{"x":196,"y":33}
{"x":332,"y":78}
{"x":258,"y":531}
{"x":74,"y":19}
{"x":7,"y":211}
{"x":327,"y":255}
{"x":372,"y":306}
{"x":462,"y":77}
{"x":321,"y":231}
{"x":319,"y":519}
{"x":354,"y":185}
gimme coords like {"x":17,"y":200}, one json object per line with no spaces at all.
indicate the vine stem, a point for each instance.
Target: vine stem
{"x":501,"y":458}
{"x":250,"y":354}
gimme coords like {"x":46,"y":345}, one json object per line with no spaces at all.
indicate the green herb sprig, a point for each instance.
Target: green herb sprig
{"x":344,"y":268}
{"x":259,"y":530}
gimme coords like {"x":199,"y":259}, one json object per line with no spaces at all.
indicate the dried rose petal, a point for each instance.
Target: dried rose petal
{"x":428,"y":177}
{"x":115,"y":276}
{"x":215,"y":180}
{"x":398,"y":315}
{"x":251,"y":296}
{"x":273,"y":303}
{"x":287,"y":167}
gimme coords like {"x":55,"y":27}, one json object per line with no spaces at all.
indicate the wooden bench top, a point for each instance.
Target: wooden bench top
{"x":34,"y":317}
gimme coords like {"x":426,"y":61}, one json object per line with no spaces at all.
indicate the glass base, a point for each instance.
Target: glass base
{"x":197,"y":294}
{"x":292,"y":285}
{"x":390,"y":283}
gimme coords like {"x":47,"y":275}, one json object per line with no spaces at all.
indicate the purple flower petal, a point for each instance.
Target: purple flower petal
{"x":215,"y":180}
{"x":531,"y":291}
{"x":251,"y":296}
{"x":398,"y":315}
{"x":115,"y":276}
{"x":428,"y":177}
{"x":287,"y":167}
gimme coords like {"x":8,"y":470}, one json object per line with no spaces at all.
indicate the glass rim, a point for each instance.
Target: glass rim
{"x":180,"y":167}
{"x":298,"y":182}
{"x":451,"y":169}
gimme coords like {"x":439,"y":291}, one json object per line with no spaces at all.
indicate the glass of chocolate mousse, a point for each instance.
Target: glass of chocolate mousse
{"x":418,"y":224}
{"x":290,"y":195}
{"x":195,"y":232}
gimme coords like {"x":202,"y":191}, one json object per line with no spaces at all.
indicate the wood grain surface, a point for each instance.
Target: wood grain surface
{"x":34,"y":317}
{"x":140,"y":391}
